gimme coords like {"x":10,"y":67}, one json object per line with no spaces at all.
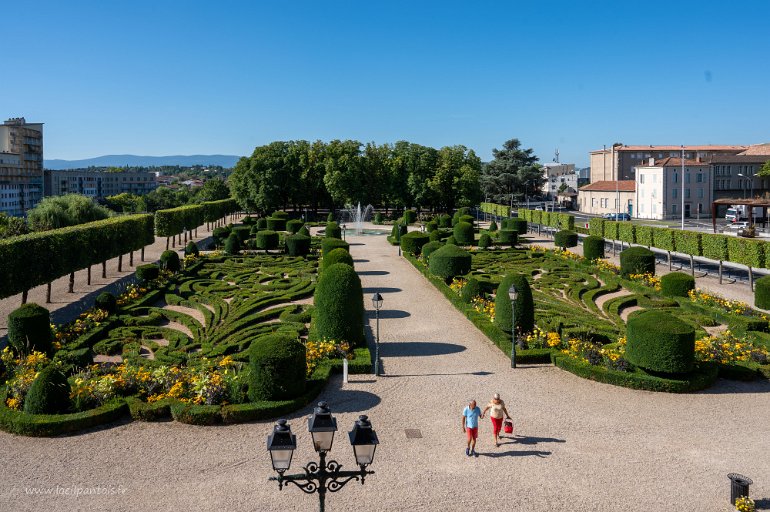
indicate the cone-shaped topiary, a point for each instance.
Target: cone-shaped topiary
{"x":430,"y":248}
{"x":593,"y":247}
{"x":29,"y":328}
{"x":339,"y":305}
{"x":169,"y":260}
{"x":525,"y":305}
{"x":450,"y":261}
{"x":191,"y":249}
{"x":410,"y":216}
{"x":463,"y":233}
{"x":335,"y":256}
{"x":266,"y":240}
{"x":412,"y":242}
{"x":493,"y":226}
{"x":328,"y":244}
{"x":304,"y":231}
{"x":298,"y":245}
{"x":107,"y":302}
{"x":485,"y":241}
{"x":677,"y":284}
{"x":293,"y":226}
{"x":232,"y":244}
{"x":333,"y":230}
{"x":660,"y":342}
{"x":565,"y":239}
{"x":278,"y":367}
{"x":471,"y":290}
{"x":762,"y":292}
{"x":508,"y":236}
{"x":49,"y":393}
{"x":147,"y":272}
{"x":637,"y":260}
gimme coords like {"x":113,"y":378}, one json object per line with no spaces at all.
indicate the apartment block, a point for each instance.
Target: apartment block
{"x":98,"y":184}
{"x":21,"y":165}
{"x":559,"y":177}
{"x":663,"y":190}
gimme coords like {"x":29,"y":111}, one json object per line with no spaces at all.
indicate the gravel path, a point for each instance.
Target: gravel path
{"x":581,"y":445}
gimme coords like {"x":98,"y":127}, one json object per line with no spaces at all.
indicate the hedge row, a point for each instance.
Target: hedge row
{"x":215,"y":210}
{"x":557,"y":220}
{"x":176,"y":220}
{"x":31,"y":260}
{"x":500,"y":210}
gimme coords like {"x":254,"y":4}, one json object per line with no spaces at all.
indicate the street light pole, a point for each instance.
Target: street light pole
{"x":377,"y":303}
{"x":513,"y":294}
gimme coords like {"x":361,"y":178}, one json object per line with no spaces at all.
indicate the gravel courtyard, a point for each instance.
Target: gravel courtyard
{"x":580,"y":445}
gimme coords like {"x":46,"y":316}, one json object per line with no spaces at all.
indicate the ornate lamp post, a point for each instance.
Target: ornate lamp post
{"x":377,"y":303}
{"x":322,"y":477}
{"x":513,"y":294}
{"x":343,"y":231}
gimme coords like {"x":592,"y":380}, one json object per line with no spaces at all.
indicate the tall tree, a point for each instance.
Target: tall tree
{"x":343,"y":172}
{"x":512,"y":171}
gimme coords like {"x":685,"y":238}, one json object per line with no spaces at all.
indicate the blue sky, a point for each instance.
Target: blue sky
{"x":195,"y":77}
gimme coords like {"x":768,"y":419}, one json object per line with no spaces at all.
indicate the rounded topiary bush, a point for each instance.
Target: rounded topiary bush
{"x":430,"y":248}
{"x":294,"y":225}
{"x":468,"y":218}
{"x":278,"y":367}
{"x":762,"y":292}
{"x":637,"y":260}
{"x":276,"y":224}
{"x":298,"y":245}
{"x":280,"y":214}
{"x":106,"y":301}
{"x":413,"y":242}
{"x":377,"y":218}
{"x":328,"y":244}
{"x":333,"y":230}
{"x":147,"y":272}
{"x":525,"y":305}
{"x":29,"y":328}
{"x":451,"y":241}
{"x":485,"y":241}
{"x":249,"y":220}
{"x":330,"y":217}
{"x":660,"y":342}
{"x":471,"y":290}
{"x":304,"y":231}
{"x":410,"y":216}
{"x":464,"y":234}
{"x":261,"y":223}
{"x":266,"y":240}
{"x":254,"y":230}
{"x":493,"y":226}
{"x":335,"y":256}
{"x":450,"y":261}
{"x":518,"y":225}
{"x":399,"y":229}
{"x":169,"y":260}
{"x":677,"y":284}
{"x":508,"y":237}
{"x":49,"y":393}
{"x":220,"y":234}
{"x":435,"y":236}
{"x":339,"y":305}
{"x":191,"y":249}
{"x":445,"y":221}
{"x":233,"y":244}
{"x":565,"y":239}
{"x":431,"y":226}
{"x":593,"y":247}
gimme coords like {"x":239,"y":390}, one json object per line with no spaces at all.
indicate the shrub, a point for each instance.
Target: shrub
{"x":644,"y":235}
{"x":191,"y":249}
{"x":335,"y":256}
{"x":677,"y":284}
{"x":330,"y":217}
{"x":659,"y":342}
{"x":248,"y":220}
{"x":627,"y":232}
{"x":49,"y":393}
{"x":333,"y":230}
{"x":445,"y":221}
{"x":637,"y":260}
{"x":565,"y":239}
{"x":339,"y":305}
{"x":593,"y":247}
{"x":262,"y":223}
{"x":762,"y":292}
{"x":468,"y":218}
{"x":169,"y":260}
{"x":107,"y":302}
{"x":456,"y":218}
{"x":518,"y":225}
{"x":430,"y":248}
{"x":485,"y":241}
{"x":327,"y":244}
{"x":233,"y":244}
{"x":243,"y":233}
{"x":413,"y":242}
{"x":451,"y":241}
{"x":450,"y":261}
{"x":377,"y":218}
{"x":147,"y":272}
{"x":524,"y":306}
{"x":431,"y":226}
{"x":298,"y":245}
{"x":508,"y":237}
{"x":293,"y":226}
{"x":304,"y":231}
{"x":266,"y":240}
{"x":688,"y":242}
{"x":280,"y":214}
{"x":471,"y":290}
{"x":435,"y":236}
{"x":464,"y":234}
{"x":277,"y":366}
{"x":29,"y":328}
{"x":596,"y":227}
{"x":276,"y":224}
{"x":493,"y":226}
{"x":410,"y":216}
{"x":220,"y":234}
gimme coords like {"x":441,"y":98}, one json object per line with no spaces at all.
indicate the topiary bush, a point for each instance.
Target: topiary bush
{"x":593,"y":247}
{"x":298,"y":245}
{"x":233,"y":244}
{"x":29,"y":328}
{"x":191,"y":249}
{"x":518,"y":225}
{"x":330,"y":217}
{"x":147,"y":272}
{"x":524,"y":306}
{"x":377,"y":218}
{"x":278,"y":367}
{"x":565,"y":239}
{"x":493,"y":226}
{"x":294,"y":225}
{"x":677,"y":284}
{"x":660,"y":342}
{"x":169,"y":260}
{"x":471,"y":290}
{"x":468,"y":218}
{"x":430,"y":248}
{"x":261,"y":223}
{"x":276,"y":224}
{"x":762,"y":292}
{"x":445,"y":221}
{"x":304,"y":231}
{"x":485,"y":241}
{"x":243,"y":233}
{"x":106,"y":301}
{"x":410,"y":216}
{"x":266,"y":240}
{"x":464,"y":234}
{"x":431,"y":226}
{"x":450,"y":261}
{"x":637,"y":260}
{"x":333,"y":230}
{"x":280,"y":214}
{"x":508,"y":237}
{"x":328,"y":244}
{"x":339,"y":305}
{"x":413,"y":242}
{"x":451,"y":241}
{"x":335,"y":256}
{"x":220,"y":234}
{"x":435,"y":236}
{"x":49,"y":393}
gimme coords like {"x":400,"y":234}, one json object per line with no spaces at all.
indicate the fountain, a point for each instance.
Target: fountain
{"x":357,"y":216}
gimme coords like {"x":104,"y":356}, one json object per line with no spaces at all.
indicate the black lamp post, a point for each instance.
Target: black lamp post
{"x":322,"y":477}
{"x":377,"y":303}
{"x":343,"y":231}
{"x":513,"y":294}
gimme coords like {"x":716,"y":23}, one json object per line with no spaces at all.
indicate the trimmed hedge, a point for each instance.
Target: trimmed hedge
{"x":469,"y":219}
{"x":688,"y":242}
{"x":278,"y":367}
{"x":643,"y":235}
{"x":191,"y":249}
{"x":499,"y":210}
{"x":304,"y":231}
{"x":463,"y":233}
{"x":524,"y":306}
{"x":627,"y":232}
{"x":596,"y":227}
{"x":508,"y":237}
{"x":593,"y":247}
{"x":516,"y":224}
{"x":431,"y":226}
{"x":261,"y":223}
{"x":29,"y":328}
{"x":233,"y":244}
{"x":660,"y":342}
{"x":147,"y":272}
{"x":471,"y":290}
{"x":485,"y":241}
{"x":215,"y":210}
{"x":410,"y":216}
{"x":414,"y":241}
{"x":493,"y":226}
{"x":430,"y":248}
{"x":294,"y":225}
{"x":450,"y":261}
{"x":280,"y":214}
{"x":747,"y":252}
{"x":677,"y":284}
{"x":49,"y":393}
{"x":175,"y":220}
{"x":298,"y":245}
{"x":106,"y":301}
{"x":266,"y":240}
{"x":328,"y":244}
{"x":715,"y":247}
{"x":333,"y":230}
{"x":450,"y":241}
{"x":762,"y":292}
{"x":221,"y":233}
{"x":339,"y":305}
{"x":169,"y":260}
{"x":565,"y":239}
{"x":276,"y":224}
{"x":445,"y":221}
{"x":637,"y":260}
{"x":335,"y":256}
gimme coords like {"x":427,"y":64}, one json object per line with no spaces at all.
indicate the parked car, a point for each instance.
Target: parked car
{"x":737,"y":225}
{"x":617,"y":216}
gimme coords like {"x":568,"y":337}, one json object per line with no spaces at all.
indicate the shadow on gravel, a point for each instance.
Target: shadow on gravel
{"x":530,"y":440}
{"x":388,"y":314}
{"x":479,"y":374}
{"x":351,"y":400}
{"x":73,"y":309}
{"x":418,"y":349}
{"x":763,"y":504}
{"x":525,"y":453}
{"x":374,"y":289}
{"x":355,"y":243}
{"x":373,"y":272}
{"x":728,"y":387}
{"x":361,"y":261}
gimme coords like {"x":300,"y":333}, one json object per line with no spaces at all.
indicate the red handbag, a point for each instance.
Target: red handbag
{"x":508,"y":426}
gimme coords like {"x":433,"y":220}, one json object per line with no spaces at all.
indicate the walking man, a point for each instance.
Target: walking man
{"x":470,"y":423}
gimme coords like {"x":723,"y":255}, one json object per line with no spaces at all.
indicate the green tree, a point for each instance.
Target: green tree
{"x":214,"y":189}
{"x":453,"y":177}
{"x":512,"y":171}
{"x":764,"y":170}
{"x":67,"y":210}
{"x":343,"y":171}
{"x":12,"y":226}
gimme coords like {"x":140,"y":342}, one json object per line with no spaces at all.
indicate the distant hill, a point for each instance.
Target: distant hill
{"x":143,"y":161}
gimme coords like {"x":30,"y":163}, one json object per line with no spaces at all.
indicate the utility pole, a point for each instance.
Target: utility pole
{"x":683,"y":187}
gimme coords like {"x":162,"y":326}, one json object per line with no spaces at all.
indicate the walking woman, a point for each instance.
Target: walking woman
{"x":497,"y":411}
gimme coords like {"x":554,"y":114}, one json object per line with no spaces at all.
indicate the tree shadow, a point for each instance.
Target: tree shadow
{"x":478,"y":374}
{"x":349,"y":400}
{"x":360,"y":261}
{"x":73,"y":309}
{"x":728,"y":387}
{"x":418,"y":349}
{"x":514,"y":453}
{"x":372,"y":272}
{"x":763,"y":504}
{"x":381,"y":289}
{"x":388,"y":313}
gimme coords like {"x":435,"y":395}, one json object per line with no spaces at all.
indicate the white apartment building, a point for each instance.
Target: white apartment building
{"x":661,"y":190}
{"x":21,"y":165}
{"x":558,"y":175}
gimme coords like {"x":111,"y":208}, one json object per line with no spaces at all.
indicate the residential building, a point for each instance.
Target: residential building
{"x":735,"y":175}
{"x":558,"y":178}
{"x":620,"y":160}
{"x":602,"y":197}
{"x":97,"y":183}
{"x":662,"y":191}
{"x":21,"y":165}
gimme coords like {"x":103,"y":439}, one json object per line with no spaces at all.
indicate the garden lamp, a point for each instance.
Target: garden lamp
{"x":322,"y":426}
{"x":281,"y":445}
{"x":513,"y":294}
{"x":364,"y":441}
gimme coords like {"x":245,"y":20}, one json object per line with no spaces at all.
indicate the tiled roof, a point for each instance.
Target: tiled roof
{"x":758,"y":149}
{"x":671,"y":161}
{"x":715,"y":147}
{"x":610,"y":186}
{"x":740,"y":158}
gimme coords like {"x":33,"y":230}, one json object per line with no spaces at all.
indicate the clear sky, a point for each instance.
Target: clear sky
{"x":201,"y":77}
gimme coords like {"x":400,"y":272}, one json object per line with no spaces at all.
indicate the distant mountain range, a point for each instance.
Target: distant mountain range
{"x":143,"y":161}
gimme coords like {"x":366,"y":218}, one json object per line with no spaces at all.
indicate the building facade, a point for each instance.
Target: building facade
{"x":98,"y":184}
{"x":559,"y":178}
{"x":663,"y":192}
{"x":21,"y":165}
{"x":603,"y":197}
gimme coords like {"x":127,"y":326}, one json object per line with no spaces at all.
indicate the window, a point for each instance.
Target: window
{"x":699,"y":178}
{"x":687,"y":193}
{"x":687,"y":178}
{"x":641,"y":178}
{"x":673,"y":193}
{"x":676,"y":177}
{"x":673,"y":208}
{"x":700,"y":193}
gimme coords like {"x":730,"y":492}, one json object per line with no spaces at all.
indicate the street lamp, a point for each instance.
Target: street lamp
{"x":322,"y":477}
{"x":750,"y":179}
{"x":513,"y":294}
{"x":343,"y":231}
{"x":377,"y":303}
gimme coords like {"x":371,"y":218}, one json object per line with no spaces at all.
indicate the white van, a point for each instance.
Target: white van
{"x":732,"y":215}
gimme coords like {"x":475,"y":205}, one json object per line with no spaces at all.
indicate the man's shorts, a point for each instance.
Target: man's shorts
{"x":472,"y":433}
